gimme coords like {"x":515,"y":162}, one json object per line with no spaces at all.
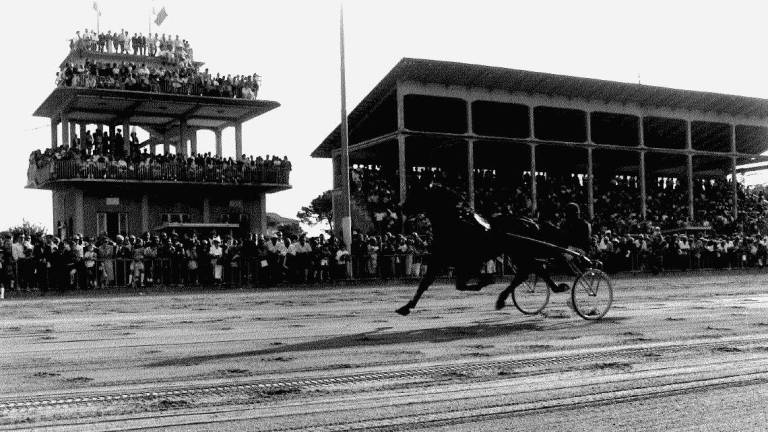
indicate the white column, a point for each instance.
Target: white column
{"x":534,"y":206}
{"x":643,"y":192}
{"x":401,"y":167}
{"x":470,"y":158}
{"x":145,"y":213}
{"x":238,"y":140}
{"x":590,"y":185}
{"x":471,"y":171}
{"x":126,"y":137}
{"x":193,"y":142}
{"x":643,"y":200}
{"x":182,"y":147}
{"x":734,"y":185}
{"x":689,"y":163}
{"x":206,"y":210}
{"x":78,"y":220}
{"x":54,"y":133}
{"x":218,"y":143}
{"x":64,"y":131}
{"x":690,"y":186}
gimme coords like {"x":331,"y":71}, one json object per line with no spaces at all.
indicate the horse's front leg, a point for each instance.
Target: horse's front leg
{"x":425,"y":282}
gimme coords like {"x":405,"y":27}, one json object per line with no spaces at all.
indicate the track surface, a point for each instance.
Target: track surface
{"x":674,"y":353}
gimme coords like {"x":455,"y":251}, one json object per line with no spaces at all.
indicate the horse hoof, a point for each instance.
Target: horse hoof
{"x":500,"y":303}
{"x":405,"y":310}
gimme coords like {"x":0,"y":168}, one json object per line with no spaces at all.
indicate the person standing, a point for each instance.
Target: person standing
{"x":216,"y":254}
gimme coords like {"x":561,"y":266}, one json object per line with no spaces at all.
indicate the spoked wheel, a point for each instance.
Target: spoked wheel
{"x":531,"y":296}
{"x":592,"y":294}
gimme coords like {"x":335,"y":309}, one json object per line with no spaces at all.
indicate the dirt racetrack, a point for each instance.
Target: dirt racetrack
{"x":674,"y":353}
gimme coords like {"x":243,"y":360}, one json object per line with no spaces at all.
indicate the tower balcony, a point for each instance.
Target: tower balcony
{"x":49,"y":174}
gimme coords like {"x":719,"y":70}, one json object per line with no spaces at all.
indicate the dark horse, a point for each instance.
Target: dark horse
{"x":464,"y":243}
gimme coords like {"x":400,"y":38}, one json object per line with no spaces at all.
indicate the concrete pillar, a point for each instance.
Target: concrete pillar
{"x":238,"y":140}
{"x":206,"y":210}
{"x":735,"y":187}
{"x":193,"y":141}
{"x":64,"y":131}
{"x":531,"y":123}
{"x":54,"y":133}
{"x":470,"y":158}
{"x":641,"y":144}
{"x":401,"y":167}
{"x":111,"y":130}
{"x":182,"y":147}
{"x":262,"y":222}
{"x":689,"y":165}
{"x":590,"y":186}
{"x":145,"y":213}
{"x":78,"y":219}
{"x":471,"y":172}
{"x":166,"y":147}
{"x":126,"y":137}
{"x":72,"y":130}
{"x":690,"y":186}
{"x":643,"y":193}
{"x":81,"y":133}
{"x":734,"y":184}
{"x":218,"y":143}
{"x":534,"y":206}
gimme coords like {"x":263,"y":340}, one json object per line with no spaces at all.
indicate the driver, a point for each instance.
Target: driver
{"x":576,"y":232}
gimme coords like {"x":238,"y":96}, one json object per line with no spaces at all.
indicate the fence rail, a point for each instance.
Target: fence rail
{"x":31,"y":273}
{"x":40,"y":174}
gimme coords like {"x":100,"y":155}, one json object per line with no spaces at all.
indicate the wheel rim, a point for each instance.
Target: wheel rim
{"x":592,"y":294}
{"x":531,"y":296}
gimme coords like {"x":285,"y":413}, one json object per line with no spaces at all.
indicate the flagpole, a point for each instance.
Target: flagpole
{"x":346,"y":211}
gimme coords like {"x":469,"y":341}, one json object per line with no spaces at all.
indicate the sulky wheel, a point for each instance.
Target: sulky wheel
{"x":592,"y":294}
{"x":531,"y":296}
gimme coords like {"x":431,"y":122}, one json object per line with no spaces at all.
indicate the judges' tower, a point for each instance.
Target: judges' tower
{"x":93,"y":197}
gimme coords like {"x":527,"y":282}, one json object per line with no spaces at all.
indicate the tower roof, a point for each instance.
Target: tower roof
{"x":156,"y":111}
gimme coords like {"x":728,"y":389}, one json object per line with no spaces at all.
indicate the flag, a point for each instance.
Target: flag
{"x":96,"y":8}
{"x":161,"y":16}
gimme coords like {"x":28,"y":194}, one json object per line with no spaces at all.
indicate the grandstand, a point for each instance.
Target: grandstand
{"x":104,"y":181}
{"x":624,"y":151}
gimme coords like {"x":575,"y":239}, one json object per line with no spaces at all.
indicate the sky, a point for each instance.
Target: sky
{"x":294,"y":46}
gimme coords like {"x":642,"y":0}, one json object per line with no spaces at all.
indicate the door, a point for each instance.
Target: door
{"x":113,"y":226}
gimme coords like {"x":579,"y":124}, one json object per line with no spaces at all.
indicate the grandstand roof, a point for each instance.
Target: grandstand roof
{"x":515,"y":80}
{"x":157,"y":111}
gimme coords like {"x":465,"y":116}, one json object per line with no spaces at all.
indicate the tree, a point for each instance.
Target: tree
{"x":291,"y":229}
{"x":318,"y":211}
{"x":27,"y":228}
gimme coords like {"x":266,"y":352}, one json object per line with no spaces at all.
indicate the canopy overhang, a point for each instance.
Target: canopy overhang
{"x":159,"y":112}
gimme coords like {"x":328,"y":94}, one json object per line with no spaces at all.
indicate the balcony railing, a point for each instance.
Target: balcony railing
{"x":40,"y":174}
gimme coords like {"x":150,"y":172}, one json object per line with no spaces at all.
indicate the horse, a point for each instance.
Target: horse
{"x":465,"y":243}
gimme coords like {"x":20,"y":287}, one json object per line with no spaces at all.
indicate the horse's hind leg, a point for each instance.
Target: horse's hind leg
{"x":425,"y":282}
{"x":520,"y":276}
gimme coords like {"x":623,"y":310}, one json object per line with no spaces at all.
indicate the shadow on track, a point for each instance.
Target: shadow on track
{"x":367,"y":339}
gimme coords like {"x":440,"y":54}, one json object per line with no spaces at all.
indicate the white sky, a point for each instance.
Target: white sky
{"x":293,"y":45}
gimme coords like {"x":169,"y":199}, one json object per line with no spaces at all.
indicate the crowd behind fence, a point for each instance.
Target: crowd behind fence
{"x":30,"y":274}
{"x":43,"y":173}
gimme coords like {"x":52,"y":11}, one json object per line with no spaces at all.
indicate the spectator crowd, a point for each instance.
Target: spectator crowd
{"x":171,"y":49}
{"x":177,"y":73}
{"x":100,"y":155}
{"x":48,"y":262}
